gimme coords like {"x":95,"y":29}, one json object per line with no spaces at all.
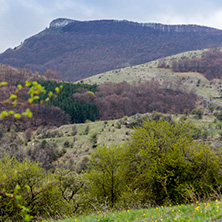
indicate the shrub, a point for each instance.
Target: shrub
{"x":94,"y":138}
{"x":66,"y":144}
{"x":198,"y":113}
{"x":74,"y":130}
{"x":219,"y":115}
{"x":161,"y":164}
{"x":86,"y":131}
{"x":37,"y":190}
{"x":28,"y":135}
{"x":27,"y":189}
{"x":104,"y":175}
{"x":46,"y":154}
{"x":166,"y":165}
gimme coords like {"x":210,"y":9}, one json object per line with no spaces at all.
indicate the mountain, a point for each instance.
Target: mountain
{"x":79,"y":49}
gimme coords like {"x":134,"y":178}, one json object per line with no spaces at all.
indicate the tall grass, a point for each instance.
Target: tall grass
{"x":201,"y":212}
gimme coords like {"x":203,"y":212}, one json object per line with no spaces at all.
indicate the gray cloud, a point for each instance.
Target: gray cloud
{"x":20,"y":19}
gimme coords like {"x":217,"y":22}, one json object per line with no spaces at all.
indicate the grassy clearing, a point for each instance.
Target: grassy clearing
{"x":208,"y":123}
{"x":208,"y":211}
{"x":148,"y":71}
{"x":112,"y":132}
{"x":141,"y":72}
{"x":81,"y":144}
{"x":108,"y":132}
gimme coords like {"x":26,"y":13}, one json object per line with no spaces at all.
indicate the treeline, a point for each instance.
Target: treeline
{"x":78,"y":111}
{"x":114,"y":100}
{"x":77,"y":103}
{"x":13,"y":75}
{"x":210,"y":64}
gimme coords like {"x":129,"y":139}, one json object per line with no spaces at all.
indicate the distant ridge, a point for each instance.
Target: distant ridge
{"x":79,"y":49}
{"x":62,"y":22}
{"x":182,"y":28}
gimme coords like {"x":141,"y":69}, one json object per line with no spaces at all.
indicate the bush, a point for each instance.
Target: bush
{"x":161,"y":164}
{"x":74,"y":130}
{"x":166,"y":165}
{"x":27,"y":189}
{"x":219,"y":115}
{"x":94,"y":138}
{"x":198,"y":113}
{"x":37,"y":190}
{"x":46,"y":153}
{"x":104,"y":175}
{"x":86,"y":131}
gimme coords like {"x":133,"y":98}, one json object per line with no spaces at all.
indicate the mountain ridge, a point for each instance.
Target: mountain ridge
{"x":79,"y":49}
{"x":62,"y":22}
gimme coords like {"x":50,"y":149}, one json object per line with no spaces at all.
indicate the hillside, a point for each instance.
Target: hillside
{"x":78,"y":141}
{"x":151,"y":70}
{"x":42,"y":115}
{"x":73,"y":169}
{"x":79,"y":49}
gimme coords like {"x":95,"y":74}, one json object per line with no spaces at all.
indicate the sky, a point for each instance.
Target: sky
{"x":21,"y":19}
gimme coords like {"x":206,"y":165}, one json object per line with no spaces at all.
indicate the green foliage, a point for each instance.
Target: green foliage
{"x":166,"y":165}
{"x":198,"y":212}
{"x":219,"y":116}
{"x":23,"y":179}
{"x":70,"y":188}
{"x":94,"y":138}
{"x":86,"y":131}
{"x":79,"y":112}
{"x":74,"y":130}
{"x":162,"y":164}
{"x":104,"y":175}
{"x":27,"y":190}
{"x":198,"y":113}
{"x":34,"y":90}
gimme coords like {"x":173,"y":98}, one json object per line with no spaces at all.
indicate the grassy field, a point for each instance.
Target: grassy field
{"x":148,"y":71}
{"x":196,"y":212}
{"x":80,"y":144}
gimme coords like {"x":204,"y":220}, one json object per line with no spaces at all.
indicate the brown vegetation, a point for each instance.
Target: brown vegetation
{"x":210,"y":64}
{"x":83,"y":49}
{"x":42,"y":115}
{"x":116,"y":100}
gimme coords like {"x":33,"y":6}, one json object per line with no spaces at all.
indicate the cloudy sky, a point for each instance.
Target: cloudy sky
{"x":20,"y":19}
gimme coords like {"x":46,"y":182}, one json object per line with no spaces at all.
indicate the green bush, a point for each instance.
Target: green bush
{"x":39,"y":193}
{"x":161,"y":164}
{"x":104,"y":175}
{"x":165,"y":164}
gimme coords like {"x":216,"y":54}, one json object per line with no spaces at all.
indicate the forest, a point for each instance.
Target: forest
{"x":77,"y":103}
{"x":210,"y":64}
{"x":77,"y":112}
{"x":114,"y":100}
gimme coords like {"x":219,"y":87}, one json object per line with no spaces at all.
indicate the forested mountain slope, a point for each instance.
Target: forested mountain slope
{"x":79,"y":49}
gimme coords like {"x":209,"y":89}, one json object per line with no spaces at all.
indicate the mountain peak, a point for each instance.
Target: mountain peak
{"x":60,"y":22}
